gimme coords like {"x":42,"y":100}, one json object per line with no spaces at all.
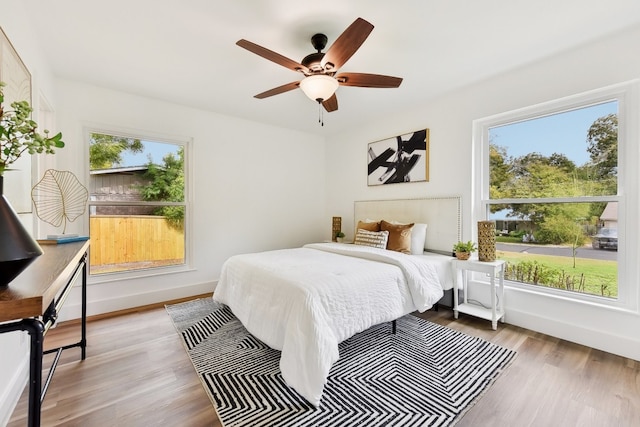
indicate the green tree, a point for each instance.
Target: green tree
{"x":499,"y":172}
{"x":562,"y":162}
{"x":166,"y":183}
{"x":541,"y":179}
{"x":538,"y":176}
{"x":563,"y":224}
{"x":522,"y":165}
{"x":105,"y":151}
{"x":602,"y":140}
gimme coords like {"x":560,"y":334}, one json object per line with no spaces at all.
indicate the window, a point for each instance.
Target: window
{"x":551,"y":177}
{"x":137,"y":203}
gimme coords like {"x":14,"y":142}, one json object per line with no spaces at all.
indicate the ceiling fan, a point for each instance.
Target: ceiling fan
{"x":321,"y":79}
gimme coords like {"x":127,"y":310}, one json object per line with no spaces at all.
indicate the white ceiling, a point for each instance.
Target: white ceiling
{"x":184,"y":51}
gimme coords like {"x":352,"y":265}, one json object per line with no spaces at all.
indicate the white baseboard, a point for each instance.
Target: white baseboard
{"x":73,"y":308}
{"x":611,"y":343}
{"x":13,"y":390}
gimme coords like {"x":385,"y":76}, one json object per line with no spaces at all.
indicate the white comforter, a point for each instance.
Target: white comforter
{"x":304,"y":301}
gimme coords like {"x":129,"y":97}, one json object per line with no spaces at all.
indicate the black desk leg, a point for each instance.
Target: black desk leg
{"x":83,"y":342}
{"x":35,"y":328}
{"x":36,"y":331}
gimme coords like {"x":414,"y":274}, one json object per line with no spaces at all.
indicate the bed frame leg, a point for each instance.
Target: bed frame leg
{"x":393,"y":327}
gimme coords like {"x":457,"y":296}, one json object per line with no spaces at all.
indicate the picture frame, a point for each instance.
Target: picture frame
{"x":14,"y":73}
{"x":402,"y":158}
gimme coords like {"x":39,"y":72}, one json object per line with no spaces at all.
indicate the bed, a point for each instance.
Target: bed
{"x":305,"y":301}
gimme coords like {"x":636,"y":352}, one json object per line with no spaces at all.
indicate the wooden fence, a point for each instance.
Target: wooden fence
{"x":145,"y":240}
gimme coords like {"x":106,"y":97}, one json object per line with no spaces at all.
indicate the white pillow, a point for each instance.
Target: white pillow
{"x":418,"y":237}
{"x":374,"y":239}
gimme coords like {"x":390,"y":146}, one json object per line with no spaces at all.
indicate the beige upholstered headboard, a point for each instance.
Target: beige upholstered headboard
{"x":441,"y":214}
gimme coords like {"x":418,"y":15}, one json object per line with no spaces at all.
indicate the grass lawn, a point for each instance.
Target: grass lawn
{"x":598,"y":274}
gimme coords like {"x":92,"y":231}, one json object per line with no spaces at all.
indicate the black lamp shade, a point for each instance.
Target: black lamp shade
{"x":17,"y":248}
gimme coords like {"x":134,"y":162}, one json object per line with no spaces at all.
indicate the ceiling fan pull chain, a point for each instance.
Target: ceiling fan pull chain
{"x":320,"y":114}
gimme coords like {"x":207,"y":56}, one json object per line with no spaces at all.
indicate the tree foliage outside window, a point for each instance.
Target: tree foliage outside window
{"x":105,"y":151}
{"x":543,"y":191}
{"x":166,"y":183}
{"x":603,"y":147}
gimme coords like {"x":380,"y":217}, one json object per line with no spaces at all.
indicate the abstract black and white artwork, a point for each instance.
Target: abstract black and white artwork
{"x":404,"y":158}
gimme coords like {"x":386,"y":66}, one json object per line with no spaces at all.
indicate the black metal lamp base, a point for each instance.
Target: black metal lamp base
{"x":17,"y":248}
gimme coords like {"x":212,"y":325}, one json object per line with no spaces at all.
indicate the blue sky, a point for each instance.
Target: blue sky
{"x":564,"y":133}
{"x":157,"y":150}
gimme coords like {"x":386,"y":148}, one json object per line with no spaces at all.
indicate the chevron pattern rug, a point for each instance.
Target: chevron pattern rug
{"x":424,"y":375}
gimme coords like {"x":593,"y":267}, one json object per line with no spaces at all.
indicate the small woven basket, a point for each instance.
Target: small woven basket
{"x":463,"y":255}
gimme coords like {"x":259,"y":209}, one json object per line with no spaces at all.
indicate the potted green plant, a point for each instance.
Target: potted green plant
{"x":18,"y":136}
{"x":340,"y":237}
{"x":463,"y":250}
{"x":18,"y":133}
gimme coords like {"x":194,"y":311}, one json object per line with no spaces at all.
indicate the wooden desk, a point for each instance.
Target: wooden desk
{"x":36,"y":296}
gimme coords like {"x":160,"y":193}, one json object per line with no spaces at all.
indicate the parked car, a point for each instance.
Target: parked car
{"x":606,"y":238}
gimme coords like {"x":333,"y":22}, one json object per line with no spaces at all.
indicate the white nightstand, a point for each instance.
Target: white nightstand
{"x":495,"y":269}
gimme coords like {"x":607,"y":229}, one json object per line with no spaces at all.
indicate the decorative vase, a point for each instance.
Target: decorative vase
{"x":17,"y":248}
{"x":486,"y":240}
{"x":336,"y":227}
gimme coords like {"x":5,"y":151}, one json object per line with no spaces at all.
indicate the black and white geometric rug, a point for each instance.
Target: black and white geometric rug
{"x":424,"y":375}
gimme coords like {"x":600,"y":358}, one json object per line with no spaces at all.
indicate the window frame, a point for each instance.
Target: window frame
{"x":185,"y":142}
{"x":627,"y":96}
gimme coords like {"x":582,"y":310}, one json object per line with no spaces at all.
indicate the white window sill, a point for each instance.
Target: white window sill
{"x":130,"y":275}
{"x":574,"y":298}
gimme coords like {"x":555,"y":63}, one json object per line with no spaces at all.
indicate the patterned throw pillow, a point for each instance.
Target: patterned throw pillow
{"x":375,"y":239}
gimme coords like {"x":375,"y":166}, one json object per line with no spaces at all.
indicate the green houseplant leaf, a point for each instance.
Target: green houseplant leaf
{"x":18,"y":133}
{"x":465,"y":247}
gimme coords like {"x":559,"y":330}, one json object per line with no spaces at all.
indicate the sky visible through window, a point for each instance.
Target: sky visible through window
{"x":564,"y":133}
{"x":154,"y":150}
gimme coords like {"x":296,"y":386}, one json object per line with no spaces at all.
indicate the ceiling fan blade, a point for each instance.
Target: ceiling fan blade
{"x":346,"y":44}
{"x":272,"y":56}
{"x":331,"y":104}
{"x":368,"y":80}
{"x":278,"y":90}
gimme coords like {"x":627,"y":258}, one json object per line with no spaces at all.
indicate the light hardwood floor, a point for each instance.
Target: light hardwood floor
{"x":138,"y":374}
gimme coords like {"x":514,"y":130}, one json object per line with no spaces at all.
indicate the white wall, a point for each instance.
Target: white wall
{"x":449,"y":119}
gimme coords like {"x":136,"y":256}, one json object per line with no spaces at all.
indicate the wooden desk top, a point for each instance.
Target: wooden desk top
{"x":31,"y":293}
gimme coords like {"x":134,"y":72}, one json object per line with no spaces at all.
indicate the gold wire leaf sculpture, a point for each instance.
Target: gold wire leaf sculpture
{"x":59,"y":197}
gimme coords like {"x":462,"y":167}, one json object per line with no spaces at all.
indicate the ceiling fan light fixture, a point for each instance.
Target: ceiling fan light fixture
{"x":319,"y":87}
